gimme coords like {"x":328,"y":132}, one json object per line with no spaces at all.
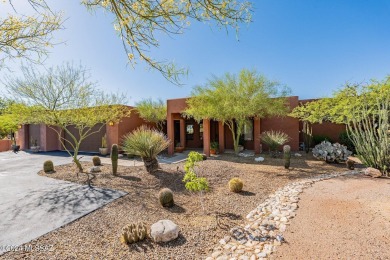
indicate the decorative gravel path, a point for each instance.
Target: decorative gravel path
{"x":263,"y":232}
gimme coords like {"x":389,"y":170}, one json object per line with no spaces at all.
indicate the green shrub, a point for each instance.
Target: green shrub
{"x":114,"y":158}
{"x":274,"y":139}
{"x":192,"y":181}
{"x":287,"y":156}
{"x":166,"y":197}
{"x":146,"y":143}
{"x":214,"y":146}
{"x":317,"y":139}
{"x":96,"y":161}
{"x":48,"y":166}
{"x":236,"y":185}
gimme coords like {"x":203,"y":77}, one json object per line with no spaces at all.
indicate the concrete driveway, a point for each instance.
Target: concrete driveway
{"x":32,"y":205}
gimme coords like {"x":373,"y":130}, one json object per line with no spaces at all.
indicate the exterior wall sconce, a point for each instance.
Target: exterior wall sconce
{"x":110,"y":123}
{"x":20,"y":126}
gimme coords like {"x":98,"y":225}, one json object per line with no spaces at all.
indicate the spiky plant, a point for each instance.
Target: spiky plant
{"x":236,"y":185}
{"x":287,"y":156}
{"x":133,"y":233}
{"x":114,"y":158}
{"x":96,"y":161}
{"x":166,"y":197}
{"x":274,"y":139}
{"x":48,"y":166}
{"x":146,"y":143}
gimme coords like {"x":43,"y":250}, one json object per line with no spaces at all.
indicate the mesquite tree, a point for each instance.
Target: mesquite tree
{"x":64,"y":97}
{"x":234,"y":100}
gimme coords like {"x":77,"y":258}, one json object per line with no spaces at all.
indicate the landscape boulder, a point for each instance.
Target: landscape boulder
{"x":94,"y":169}
{"x":372,"y":172}
{"x":164,"y":230}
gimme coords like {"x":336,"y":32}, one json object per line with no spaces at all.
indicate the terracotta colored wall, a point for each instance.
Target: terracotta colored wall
{"x":23,"y":137}
{"x":34,"y":133}
{"x":5,"y":145}
{"x":288,"y":125}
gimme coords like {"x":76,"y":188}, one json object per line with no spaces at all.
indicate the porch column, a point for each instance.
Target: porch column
{"x":206,"y":137}
{"x":22,"y":138}
{"x":221,"y":136}
{"x":256,"y":135}
{"x":182,"y":133}
{"x":170,"y":134}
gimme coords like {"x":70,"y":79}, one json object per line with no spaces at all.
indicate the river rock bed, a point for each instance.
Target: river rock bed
{"x":263,"y":231}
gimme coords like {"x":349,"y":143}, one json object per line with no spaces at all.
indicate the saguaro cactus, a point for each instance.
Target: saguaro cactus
{"x":287,"y":156}
{"x":114,"y":158}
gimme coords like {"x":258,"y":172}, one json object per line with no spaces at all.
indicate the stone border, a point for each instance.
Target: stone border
{"x":265,"y":225}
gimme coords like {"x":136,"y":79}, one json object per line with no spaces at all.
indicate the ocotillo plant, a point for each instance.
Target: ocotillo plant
{"x":287,"y":156}
{"x":114,"y":158}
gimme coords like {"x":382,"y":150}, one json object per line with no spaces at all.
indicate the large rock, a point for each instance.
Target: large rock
{"x":373,"y":172}
{"x":164,"y":231}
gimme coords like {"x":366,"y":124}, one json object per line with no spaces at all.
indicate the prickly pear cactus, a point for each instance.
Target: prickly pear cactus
{"x":331,"y":152}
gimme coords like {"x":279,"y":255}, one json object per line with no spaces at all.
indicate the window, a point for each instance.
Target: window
{"x":248,"y":131}
{"x":189,"y":131}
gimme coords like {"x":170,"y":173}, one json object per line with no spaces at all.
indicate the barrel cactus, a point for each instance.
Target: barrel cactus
{"x":287,"y":156}
{"x":48,"y":166}
{"x":350,"y":164}
{"x":114,"y":158}
{"x":166,"y":197}
{"x":236,"y":185}
{"x":133,"y":233}
{"x":96,"y":161}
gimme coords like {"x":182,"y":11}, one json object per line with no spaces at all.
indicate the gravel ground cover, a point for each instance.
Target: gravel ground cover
{"x":96,"y":236}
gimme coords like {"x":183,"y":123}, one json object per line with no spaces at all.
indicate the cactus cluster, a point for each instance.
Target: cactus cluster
{"x":133,"y":233}
{"x":48,"y":166}
{"x":166,"y":197}
{"x":114,"y":158}
{"x":331,"y":152}
{"x":96,"y":161}
{"x":287,"y":156}
{"x":236,"y":185}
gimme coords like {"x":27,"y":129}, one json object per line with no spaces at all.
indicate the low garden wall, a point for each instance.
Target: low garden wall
{"x":5,"y":145}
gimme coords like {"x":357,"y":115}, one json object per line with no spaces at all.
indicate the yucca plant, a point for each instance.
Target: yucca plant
{"x":146,"y":143}
{"x":274,"y":139}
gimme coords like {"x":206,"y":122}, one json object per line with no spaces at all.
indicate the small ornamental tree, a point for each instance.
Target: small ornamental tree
{"x":8,"y":121}
{"x":153,"y":112}
{"x":61,"y":98}
{"x":234,"y":100}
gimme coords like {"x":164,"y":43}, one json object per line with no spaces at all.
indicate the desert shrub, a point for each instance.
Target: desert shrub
{"x":317,"y":139}
{"x":166,"y":197}
{"x":114,"y":158}
{"x":350,"y":164}
{"x":331,"y":152}
{"x":96,"y":161}
{"x":236,"y":185}
{"x":48,"y":166}
{"x":146,"y":143}
{"x":133,"y":233}
{"x":274,"y":139}
{"x":346,"y":140}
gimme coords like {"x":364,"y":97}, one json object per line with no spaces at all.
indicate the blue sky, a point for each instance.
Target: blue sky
{"x":311,"y":46}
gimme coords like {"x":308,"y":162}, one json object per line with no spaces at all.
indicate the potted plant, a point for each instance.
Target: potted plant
{"x":104,"y":150}
{"x":214,"y":147}
{"x":179,"y":148}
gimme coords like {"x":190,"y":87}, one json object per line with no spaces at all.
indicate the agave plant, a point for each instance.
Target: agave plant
{"x":146,"y":143}
{"x":274,"y":139}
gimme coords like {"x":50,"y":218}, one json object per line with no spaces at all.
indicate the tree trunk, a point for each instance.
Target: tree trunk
{"x":151,"y":164}
{"x":78,"y":164}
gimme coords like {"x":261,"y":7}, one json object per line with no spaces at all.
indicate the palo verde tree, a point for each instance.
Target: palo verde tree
{"x":137,"y":23}
{"x":28,"y":37}
{"x":64,"y":97}
{"x":235,"y":99}
{"x":153,"y":112}
{"x":9,"y":122}
{"x":365,"y":110}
